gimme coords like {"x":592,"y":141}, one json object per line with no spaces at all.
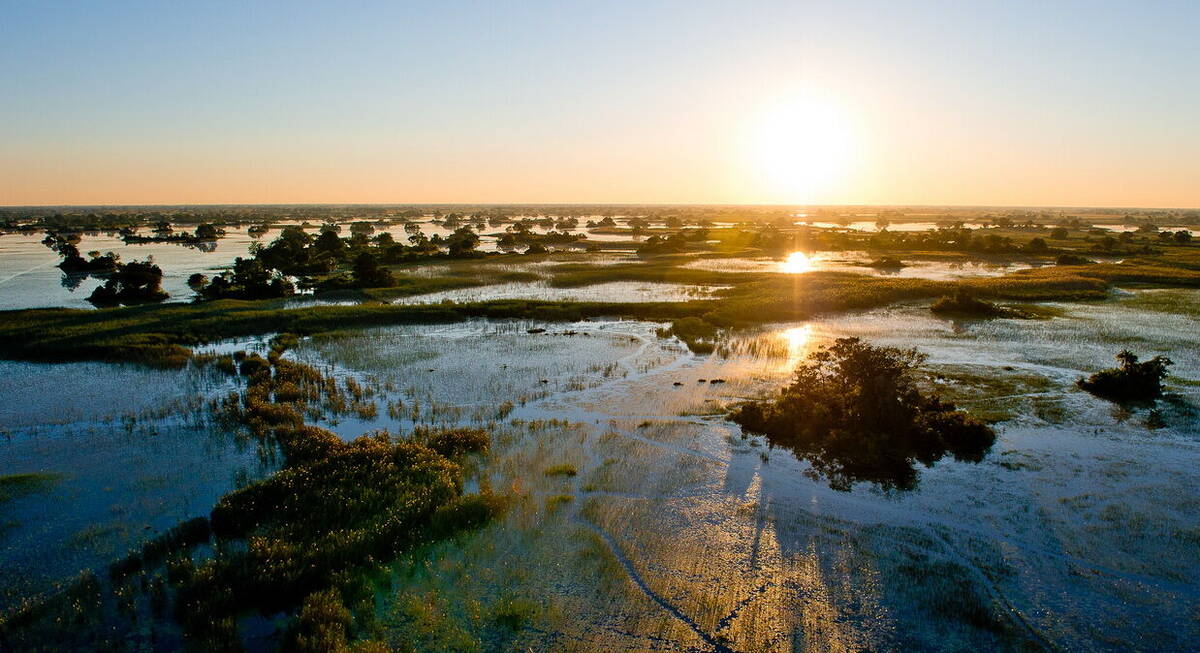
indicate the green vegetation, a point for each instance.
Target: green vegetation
{"x":1131,"y":380}
{"x":565,"y":469}
{"x":15,"y":486}
{"x":855,"y":413}
{"x":295,"y":253}
{"x":72,"y":263}
{"x":962,"y":304}
{"x":161,"y":335}
{"x":130,"y":283}
{"x":699,"y":336}
{"x":293,"y":542}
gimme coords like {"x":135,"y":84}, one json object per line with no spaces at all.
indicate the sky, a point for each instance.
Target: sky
{"x":1048,"y":103}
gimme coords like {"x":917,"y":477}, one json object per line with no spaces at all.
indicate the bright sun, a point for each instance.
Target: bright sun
{"x":796,"y":263}
{"x":801,"y":147}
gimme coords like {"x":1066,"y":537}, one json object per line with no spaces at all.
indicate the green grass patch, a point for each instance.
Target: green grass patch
{"x":566,"y":469}
{"x":15,"y":486}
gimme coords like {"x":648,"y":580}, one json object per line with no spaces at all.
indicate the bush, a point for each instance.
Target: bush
{"x":855,"y":413}
{"x":1131,"y":381}
{"x":699,"y":335}
{"x":131,"y":283}
{"x":963,"y":304}
{"x":1073,"y":259}
{"x":565,"y":469}
{"x":454,"y":443}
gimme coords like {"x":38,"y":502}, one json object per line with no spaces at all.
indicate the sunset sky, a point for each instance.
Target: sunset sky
{"x":981,"y":103}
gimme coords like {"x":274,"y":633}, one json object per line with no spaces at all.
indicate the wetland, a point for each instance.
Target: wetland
{"x":599,"y":428}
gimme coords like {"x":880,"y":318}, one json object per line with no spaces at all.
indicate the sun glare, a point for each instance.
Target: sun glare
{"x":797,"y":339}
{"x":796,"y":262}
{"x":802,"y":147}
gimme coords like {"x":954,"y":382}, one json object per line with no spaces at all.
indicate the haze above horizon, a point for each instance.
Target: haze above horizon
{"x":1069,"y":104}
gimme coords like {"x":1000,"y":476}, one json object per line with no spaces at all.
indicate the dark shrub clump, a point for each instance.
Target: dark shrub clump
{"x":1130,"y":381}
{"x":855,"y":413}
{"x":964,"y":305}
{"x":1073,"y":259}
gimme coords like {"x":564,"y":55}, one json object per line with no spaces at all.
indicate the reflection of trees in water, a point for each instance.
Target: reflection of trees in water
{"x":855,"y":414}
{"x":72,"y":281}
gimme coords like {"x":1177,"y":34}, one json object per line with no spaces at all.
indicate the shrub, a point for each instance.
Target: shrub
{"x":1131,"y":380}
{"x":963,"y":304}
{"x":699,"y":335}
{"x":454,"y":443}
{"x":855,"y":413}
{"x":1072,"y":259}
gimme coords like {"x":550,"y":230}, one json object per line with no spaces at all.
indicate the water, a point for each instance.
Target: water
{"x":132,"y":452}
{"x":613,"y":291}
{"x":1077,"y":531}
{"x":678,"y":528}
{"x":857,"y":262}
{"x":30,"y":277}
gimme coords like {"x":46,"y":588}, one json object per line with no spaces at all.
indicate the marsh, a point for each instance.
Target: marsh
{"x":608,"y":480}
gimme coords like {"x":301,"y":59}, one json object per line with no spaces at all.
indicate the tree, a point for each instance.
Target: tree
{"x":1131,"y":380}
{"x":329,"y":243}
{"x":132,"y":283}
{"x":208,"y":231}
{"x":462,"y":242}
{"x":855,"y":412}
{"x":1037,"y":246}
{"x":368,"y":274}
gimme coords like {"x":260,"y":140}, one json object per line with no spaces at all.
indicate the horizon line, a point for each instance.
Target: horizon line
{"x":1057,"y":207}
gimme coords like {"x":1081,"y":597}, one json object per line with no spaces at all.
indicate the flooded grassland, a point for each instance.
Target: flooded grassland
{"x":637,"y":516}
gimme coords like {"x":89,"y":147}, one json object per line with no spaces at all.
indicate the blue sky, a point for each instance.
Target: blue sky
{"x":1059,"y":103}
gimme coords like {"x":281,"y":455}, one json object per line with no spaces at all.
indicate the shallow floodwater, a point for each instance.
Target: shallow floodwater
{"x":613,"y":291}
{"x":858,"y":262}
{"x":30,"y":277}
{"x":128,"y":453}
{"x":676,"y":531}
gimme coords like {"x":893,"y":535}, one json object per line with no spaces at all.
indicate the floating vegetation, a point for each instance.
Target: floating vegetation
{"x":855,"y":413}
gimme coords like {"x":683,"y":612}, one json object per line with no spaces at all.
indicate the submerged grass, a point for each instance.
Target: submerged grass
{"x":294,"y":543}
{"x":15,"y":486}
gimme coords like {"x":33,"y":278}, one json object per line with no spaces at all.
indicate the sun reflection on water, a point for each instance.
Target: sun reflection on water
{"x":797,"y":339}
{"x":796,"y":263}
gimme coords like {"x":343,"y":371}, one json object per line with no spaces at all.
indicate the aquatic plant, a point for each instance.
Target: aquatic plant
{"x":699,"y":336}
{"x":1131,"y":380}
{"x":293,"y":541}
{"x":854,"y":411}
{"x":565,"y":469}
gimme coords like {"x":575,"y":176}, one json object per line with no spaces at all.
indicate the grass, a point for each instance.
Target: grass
{"x":15,"y":486}
{"x":514,"y":613}
{"x":295,"y":542}
{"x":161,"y":335}
{"x":565,"y":469}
